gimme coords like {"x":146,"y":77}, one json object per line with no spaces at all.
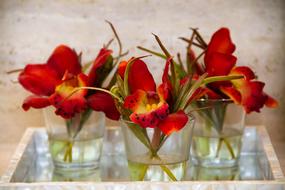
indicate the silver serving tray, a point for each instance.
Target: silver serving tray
{"x":31,"y":167}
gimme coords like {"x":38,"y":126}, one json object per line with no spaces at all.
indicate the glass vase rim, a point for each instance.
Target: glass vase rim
{"x":222,"y":100}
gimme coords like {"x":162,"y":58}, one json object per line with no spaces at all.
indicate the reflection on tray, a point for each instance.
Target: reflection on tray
{"x":36,"y":164}
{"x":248,"y":170}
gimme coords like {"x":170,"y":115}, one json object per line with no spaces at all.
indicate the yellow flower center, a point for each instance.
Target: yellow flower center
{"x":150,"y":107}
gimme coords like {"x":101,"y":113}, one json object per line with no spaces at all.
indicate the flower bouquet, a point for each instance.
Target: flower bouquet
{"x":75,"y":123}
{"x":156,"y":127}
{"x":219,"y":128}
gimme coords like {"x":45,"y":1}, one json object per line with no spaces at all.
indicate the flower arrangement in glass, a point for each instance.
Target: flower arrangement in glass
{"x":220,"y":106}
{"x":156,"y":128}
{"x":219,"y":128}
{"x":75,"y":124}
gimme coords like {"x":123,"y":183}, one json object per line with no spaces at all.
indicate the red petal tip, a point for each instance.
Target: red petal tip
{"x":173,"y":122}
{"x":271,"y":102}
{"x":35,"y":102}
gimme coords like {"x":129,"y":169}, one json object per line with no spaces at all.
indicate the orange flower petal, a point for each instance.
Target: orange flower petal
{"x":122,"y":68}
{"x":243,"y":70}
{"x":173,"y":122}
{"x":136,"y":102}
{"x":252,"y":94}
{"x":204,"y":92}
{"x":271,"y":102}
{"x":232,"y":93}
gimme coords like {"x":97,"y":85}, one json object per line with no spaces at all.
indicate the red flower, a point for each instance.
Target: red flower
{"x":101,"y":101}
{"x":66,"y":104}
{"x":139,"y":76}
{"x":53,"y":82}
{"x":42,"y":79}
{"x":148,"y":105}
{"x":219,"y":61}
{"x":64,"y":59}
{"x":97,"y":74}
{"x":104,"y":102}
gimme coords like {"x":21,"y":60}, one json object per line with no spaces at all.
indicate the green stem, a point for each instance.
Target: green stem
{"x":215,"y":117}
{"x":155,"y":142}
{"x":219,"y":147}
{"x":140,"y":134}
{"x":164,"y":168}
{"x":168,"y":172}
{"x":231,"y":151}
{"x":68,"y":152}
{"x":199,"y":38}
{"x":156,"y":145}
{"x":74,"y":126}
{"x":230,"y":148}
{"x":117,"y":38}
{"x":174,"y":76}
{"x":94,"y":88}
{"x":195,"y":44}
{"x":152,"y":52}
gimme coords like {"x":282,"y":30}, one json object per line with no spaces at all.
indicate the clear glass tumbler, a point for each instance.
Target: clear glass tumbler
{"x":217,"y":137}
{"x":169,"y":163}
{"x":75,"y":143}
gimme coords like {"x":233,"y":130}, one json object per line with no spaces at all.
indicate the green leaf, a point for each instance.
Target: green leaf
{"x":126,"y":77}
{"x":168,"y":172}
{"x":221,"y":78}
{"x":182,"y":92}
{"x":118,"y":40}
{"x":152,"y":52}
{"x":94,"y":88}
{"x":84,"y":117}
{"x":180,"y":73}
{"x":179,"y":68}
{"x":120,"y":84}
{"x":139,"y":133}
{"x":174,"y":78}
{"x":190,"y":92}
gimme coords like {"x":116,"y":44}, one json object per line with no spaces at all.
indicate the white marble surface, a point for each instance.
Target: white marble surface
{"x":30,"y":29}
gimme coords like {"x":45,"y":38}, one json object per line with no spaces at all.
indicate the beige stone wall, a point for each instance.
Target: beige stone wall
{"x":30,"y":29}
